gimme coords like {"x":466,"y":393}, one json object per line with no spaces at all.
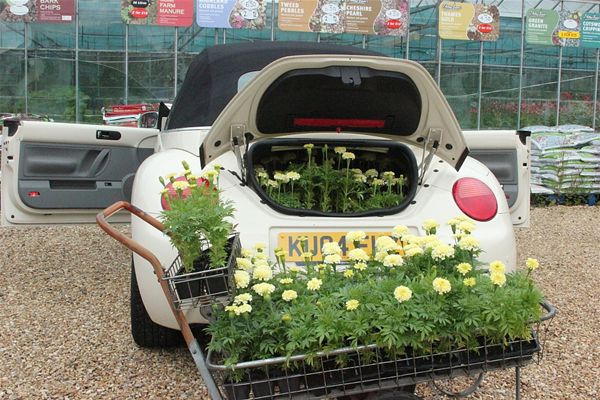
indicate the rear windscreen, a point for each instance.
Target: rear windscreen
{"x":340,"y":99}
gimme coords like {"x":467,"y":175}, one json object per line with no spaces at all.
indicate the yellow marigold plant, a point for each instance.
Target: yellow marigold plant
{"x":439,"y":297}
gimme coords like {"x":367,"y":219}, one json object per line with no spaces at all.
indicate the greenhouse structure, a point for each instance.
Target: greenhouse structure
{"x":69,"y":71}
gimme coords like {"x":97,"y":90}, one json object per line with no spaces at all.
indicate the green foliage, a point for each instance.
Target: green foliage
{"x":330,"y":181}
{"x":197,"y":218}
{"x":395,"y":304}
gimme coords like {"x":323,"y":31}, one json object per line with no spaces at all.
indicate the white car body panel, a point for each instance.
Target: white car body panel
{"x":437,"y":119}
{"x":14,"y":211}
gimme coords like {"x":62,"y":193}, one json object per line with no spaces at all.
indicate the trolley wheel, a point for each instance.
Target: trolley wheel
{"x":448,"y":386}
{"x":145,"y":332}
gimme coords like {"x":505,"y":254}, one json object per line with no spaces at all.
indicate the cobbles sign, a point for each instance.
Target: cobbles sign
{"x":464,"y":21}
{"x":37,"y":10}
{"x":237,"y":14}
{"x":367,"y":17}
{"x":158,"y":12}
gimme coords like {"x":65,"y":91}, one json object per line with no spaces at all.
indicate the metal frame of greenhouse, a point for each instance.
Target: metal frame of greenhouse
{"x":69,"y":71}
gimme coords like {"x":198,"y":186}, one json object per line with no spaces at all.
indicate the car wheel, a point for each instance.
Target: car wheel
{"x":145,"y":332}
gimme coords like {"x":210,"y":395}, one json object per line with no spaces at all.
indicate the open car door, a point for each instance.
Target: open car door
{"x":56,"y":173}
{"x":507,"y":155}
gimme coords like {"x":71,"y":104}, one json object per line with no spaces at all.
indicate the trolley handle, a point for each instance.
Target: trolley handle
{"x":550,"y":311}
{"x":102,"y":221}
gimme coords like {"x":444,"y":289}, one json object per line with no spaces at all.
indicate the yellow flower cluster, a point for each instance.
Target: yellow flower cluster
{"x":393,"y":260}
{"x":442,"y":252}
{"x":262,"y":271}
{"x":497,"y":270}
{"x":348,"y":156}
{"x":399,"y":231}
{"x":358,"y":255}
{"x":263,"y":289}
{"x":241,"y":278}
{"x":469,"y":282}
{"x":402,"y":294}
{"x":352,"y":304}
{"x":430,"y":226}
{"x":442,"y":285}
{"x":464,"y":268}
{"x":385,"y":244}
{"x":289,"y":295}
{"x":331,"y":248}
{"x":355,"y":236}
{"x":360,"y":266}
{"x":469,"y":243}
{"x":255,"y":271}
{"x":314,"y":284}
{"x":532,"y":264}
{"x":332,"y":259}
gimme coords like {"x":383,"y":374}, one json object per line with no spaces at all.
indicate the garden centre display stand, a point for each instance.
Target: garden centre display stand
{"x":344,"y":372}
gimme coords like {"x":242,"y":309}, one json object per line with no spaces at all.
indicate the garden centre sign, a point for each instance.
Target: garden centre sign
{"x":37,"y":11}
{"x":237,"y":14}
{"x":590,"y":30}
{"x":367,"y":17}
{"x":158,"y":12}
{"x":464,"y":21}
{"x":553,"y":28}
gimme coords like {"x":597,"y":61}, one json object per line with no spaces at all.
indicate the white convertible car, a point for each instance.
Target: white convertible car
{"x":254,"y":107}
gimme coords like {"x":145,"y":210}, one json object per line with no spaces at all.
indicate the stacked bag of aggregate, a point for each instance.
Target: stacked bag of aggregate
{"x":565,"y":158}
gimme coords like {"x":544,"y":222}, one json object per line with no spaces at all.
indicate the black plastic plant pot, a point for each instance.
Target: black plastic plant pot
{"x":237,"y":391}
{"x":216,"y":283}
{"x":204,"y":284}
{"x":188,"y":289}
{"x":515,"y":352}
{"x":263,"y":388}
{"x":315,"y":383}
{"x":286,"y":380}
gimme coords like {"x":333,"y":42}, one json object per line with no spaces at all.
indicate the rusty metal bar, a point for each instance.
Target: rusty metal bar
{"x":188,"y":336}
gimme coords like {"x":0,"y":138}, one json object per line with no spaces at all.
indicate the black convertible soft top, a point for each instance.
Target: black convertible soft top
{"x":212,"y":78}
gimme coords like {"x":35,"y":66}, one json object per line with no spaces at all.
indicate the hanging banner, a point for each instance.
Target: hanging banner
{"x":392,"y":20}
{"x":367,"y":17}
{"x":464,"y":21}
{"x":158,"y":12}
{"x":328,"y":17}
{"x":541,"y":27}
{"x":569,"y":27}
{"x":294,"y":15}
{"x":37,"y":10}
{"x":590,"y":30}
{"x":237,"y":14}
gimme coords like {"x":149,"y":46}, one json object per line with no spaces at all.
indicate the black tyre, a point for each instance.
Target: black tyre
{"x":145,"y":332}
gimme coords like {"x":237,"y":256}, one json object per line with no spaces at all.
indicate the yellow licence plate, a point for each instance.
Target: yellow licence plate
{"x":290,"y":242}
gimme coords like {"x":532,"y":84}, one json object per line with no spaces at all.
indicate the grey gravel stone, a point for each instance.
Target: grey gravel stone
{"x":64,"y":320}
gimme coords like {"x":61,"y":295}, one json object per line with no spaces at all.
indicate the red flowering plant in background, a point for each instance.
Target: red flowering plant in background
{"x":502,"y":113}
{"x":195,"y":217}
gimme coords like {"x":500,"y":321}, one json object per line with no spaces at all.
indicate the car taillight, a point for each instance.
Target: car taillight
{"x":475,"y":199}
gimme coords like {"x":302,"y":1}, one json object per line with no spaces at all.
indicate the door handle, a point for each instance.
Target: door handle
{"x":107,"y":135}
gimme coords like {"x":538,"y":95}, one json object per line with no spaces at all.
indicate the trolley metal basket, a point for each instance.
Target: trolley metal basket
{"x":353,"y":370}
{"x":340,"y":372}
{"x":205,"y":285}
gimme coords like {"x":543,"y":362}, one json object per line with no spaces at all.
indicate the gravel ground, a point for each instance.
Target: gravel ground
{"x":64,"y":326}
